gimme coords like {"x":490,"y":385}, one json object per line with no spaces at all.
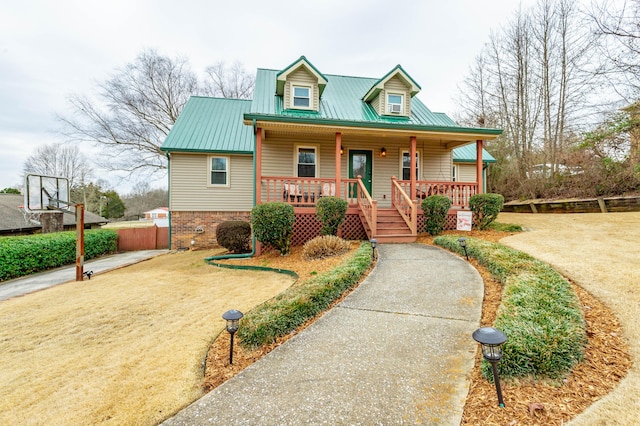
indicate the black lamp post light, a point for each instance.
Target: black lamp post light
{"x":374,"y":244}
{"x":491,"y":340}
{"x":463,"y":244}
{"x":233,"y":323}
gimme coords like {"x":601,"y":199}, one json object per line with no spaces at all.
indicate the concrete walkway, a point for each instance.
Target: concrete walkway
{"x":35,"y":282}
{"x":398,"y":350}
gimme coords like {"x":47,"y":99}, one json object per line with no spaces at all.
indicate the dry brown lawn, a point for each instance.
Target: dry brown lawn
{"x":126,"y":347}
{"x":600,"y":253}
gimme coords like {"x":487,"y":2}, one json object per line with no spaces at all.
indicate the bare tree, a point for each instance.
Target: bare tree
{"x":61,"y":160}
{"x":230,"y":82}
{"x":137,"y":108}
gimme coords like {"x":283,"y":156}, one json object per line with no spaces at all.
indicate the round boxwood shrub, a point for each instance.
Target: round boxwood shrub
{"x":485,"y":208}
{"x":272,"y":224}
{"x":435,"y":209}
{"x":234,"y":235}
{"x":331,"y":212}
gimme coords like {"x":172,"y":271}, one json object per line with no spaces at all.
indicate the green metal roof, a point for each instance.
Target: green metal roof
{"x":467,"y":154}
{"x":397,"y":70}
{"x":342,"y":104}
{"x":211,"y":125}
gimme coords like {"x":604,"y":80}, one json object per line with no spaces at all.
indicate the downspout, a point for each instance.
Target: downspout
{"x":169,"y":195}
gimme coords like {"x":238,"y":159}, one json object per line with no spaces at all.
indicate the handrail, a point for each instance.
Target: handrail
{"x":368,"y":207}
{"x":405,"y":206}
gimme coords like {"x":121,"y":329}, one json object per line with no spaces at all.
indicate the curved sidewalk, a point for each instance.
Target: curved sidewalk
{"x":398,"y":350}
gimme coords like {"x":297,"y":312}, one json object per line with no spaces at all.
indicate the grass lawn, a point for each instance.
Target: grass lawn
{"x":126,"y":347}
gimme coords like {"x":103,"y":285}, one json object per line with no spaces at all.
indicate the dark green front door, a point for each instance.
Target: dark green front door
{"x":360,"y":165}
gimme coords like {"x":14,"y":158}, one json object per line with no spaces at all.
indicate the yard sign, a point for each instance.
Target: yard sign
{"x":464,"y":221}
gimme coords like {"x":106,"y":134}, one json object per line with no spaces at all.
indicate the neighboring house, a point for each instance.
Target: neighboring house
{"x":15,"y":221}
{"x":159,"y":213}
{"x":306,"y":135}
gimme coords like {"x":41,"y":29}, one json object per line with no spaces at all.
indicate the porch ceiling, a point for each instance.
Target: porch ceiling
{"x":449,"y":139}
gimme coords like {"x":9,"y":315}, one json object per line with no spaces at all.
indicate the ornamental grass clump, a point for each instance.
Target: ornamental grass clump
{"x":300,"y":303}
{"x":324,"y":246}
{"x":540,"y":313}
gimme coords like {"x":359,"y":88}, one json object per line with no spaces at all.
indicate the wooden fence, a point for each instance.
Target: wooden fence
{"x":147,"y":238}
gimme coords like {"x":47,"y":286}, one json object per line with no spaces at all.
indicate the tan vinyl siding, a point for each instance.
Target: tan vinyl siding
{"x":395,"y":85}
{"x":466,"y":172}
{"x":301,"y":77}
{"x":437,"y":163}
{"x":377,"y":104}
{"x":189,"y":184}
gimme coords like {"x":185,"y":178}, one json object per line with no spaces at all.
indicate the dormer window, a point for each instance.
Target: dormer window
{"x":394,"y":103}
{"x":301,"y":97}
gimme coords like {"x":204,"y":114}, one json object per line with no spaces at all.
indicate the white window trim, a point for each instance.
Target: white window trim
{"x":419,"y":152}
{"x":228,"y":172}
{"x":454,"y":173}
{"x":387,"y":104}
{"x":295,"y":156}
{"x":301,"y":86}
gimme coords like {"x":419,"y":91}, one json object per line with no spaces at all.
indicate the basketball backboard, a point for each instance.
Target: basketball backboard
{"x":46,"y":193}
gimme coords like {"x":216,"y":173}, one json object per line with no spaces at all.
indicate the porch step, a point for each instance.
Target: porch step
{"x":391,"y":227}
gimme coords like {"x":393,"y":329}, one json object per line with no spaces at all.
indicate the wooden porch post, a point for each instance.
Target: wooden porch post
{"x":479,"y":165}
{"x":412,"y":172}
{"x":338,"y":158}
{"x":258,"y":165}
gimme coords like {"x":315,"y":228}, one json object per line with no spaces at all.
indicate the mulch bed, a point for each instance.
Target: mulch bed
{"x":527,"y":402}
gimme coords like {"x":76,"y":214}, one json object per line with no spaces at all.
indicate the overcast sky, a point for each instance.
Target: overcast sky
{"x":51,"y":49}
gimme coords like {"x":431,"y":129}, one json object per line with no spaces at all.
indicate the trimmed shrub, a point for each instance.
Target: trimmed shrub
{"x":435,"y":209}
{"x":324,"y":246}
{"x":298,"y":304}
{"x":485,"y":208}
{"x":272,"y":224}
{"x":540,"y":313}
{"x":28,"y":254}
{"x":331,"y":212}
{"x":234,"y":235}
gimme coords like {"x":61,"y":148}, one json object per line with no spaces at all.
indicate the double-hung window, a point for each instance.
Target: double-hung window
{"x":219,"y":171}
{"x":454,"y":174}
{"x":394,"y":103}
{"x":301,"y":97}
{"x":406,"y":165}
{"x":307,"y":161}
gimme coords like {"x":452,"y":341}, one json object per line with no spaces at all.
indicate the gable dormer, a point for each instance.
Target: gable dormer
{"x":300,"y":85}
{"x":391,"y":95}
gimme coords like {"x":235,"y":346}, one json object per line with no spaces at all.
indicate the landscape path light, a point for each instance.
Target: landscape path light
{"x":492,"y":340}
{"x":374,"y":244}
{"x":463,"y":244}
{"x":233,"y":323}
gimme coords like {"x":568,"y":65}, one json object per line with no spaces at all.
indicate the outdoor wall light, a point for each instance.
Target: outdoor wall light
{"x":374,"y":244}
{"x":233,"y":323}
{"x":463,"y":244}
{"x":492,"y":340}
{"x":383,"y":152}
{"x":341,"y":150}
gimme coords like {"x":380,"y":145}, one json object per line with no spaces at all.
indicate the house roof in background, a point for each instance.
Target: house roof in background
{"x":467,"y":154}
{"x":12,"y":218}
{"x":211,"y":125}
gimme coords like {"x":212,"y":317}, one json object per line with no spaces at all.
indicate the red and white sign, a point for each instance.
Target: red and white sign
{"x":464,"y":221}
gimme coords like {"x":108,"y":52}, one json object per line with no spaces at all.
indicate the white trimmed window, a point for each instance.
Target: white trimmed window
{"x":405,"y":167}
{"x":301,"y":97}
{"x":454,"y":174}
{"x":306,"y":161}
{"x":218,"y":171}
{"x":394,"y":103}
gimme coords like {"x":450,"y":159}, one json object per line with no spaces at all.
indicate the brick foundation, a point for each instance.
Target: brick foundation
{"x":199,"y":228}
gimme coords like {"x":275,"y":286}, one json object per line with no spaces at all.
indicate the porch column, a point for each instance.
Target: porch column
{"x":479,"y":165}
{"x":412,"y":172}
{"x":338,"y":158}
{"x":258,"y":167}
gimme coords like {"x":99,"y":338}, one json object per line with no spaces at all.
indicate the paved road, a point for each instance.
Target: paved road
{"x":35,"y":282}
{"x":398,"y":350}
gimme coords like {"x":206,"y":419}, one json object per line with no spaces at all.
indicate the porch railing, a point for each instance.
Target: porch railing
{"x":368,"y":206}
{"x":305,"y":192}
{"x":458,"y":192}
{"x":402,"y":202}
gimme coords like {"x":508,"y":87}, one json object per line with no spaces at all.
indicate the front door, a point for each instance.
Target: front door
{"x":360,"y":165}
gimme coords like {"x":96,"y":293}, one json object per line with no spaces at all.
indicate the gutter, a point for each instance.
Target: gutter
{"x":169,"y":194}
